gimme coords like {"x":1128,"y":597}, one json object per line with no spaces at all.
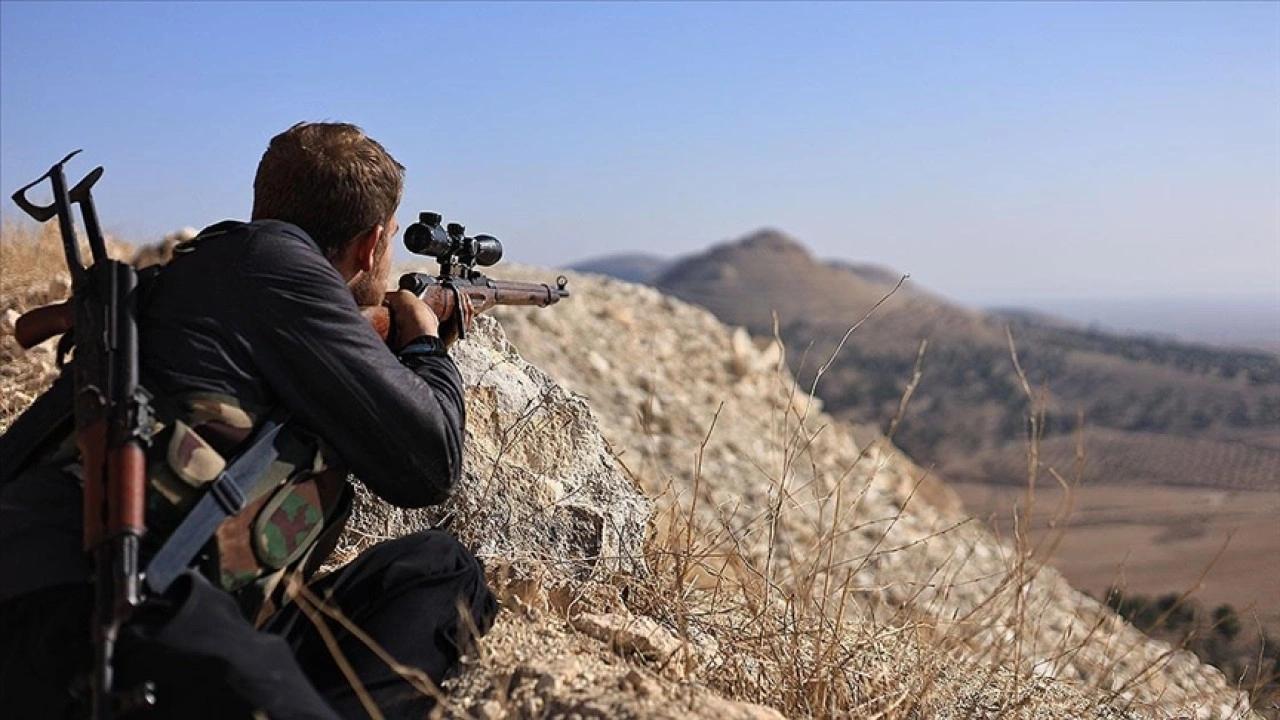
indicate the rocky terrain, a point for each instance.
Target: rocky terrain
{"x":677,"y":531}
{"x":810,"y":510}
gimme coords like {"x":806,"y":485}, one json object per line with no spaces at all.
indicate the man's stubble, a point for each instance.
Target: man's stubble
{"x":370,"y":287}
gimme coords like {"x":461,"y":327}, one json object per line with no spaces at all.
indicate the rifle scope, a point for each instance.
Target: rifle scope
{"x":450,"y":244}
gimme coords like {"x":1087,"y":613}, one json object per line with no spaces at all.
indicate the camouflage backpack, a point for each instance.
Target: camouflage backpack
{"x":291,"y":517}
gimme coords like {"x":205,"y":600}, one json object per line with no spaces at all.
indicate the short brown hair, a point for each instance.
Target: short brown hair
{"x":331,"y":180}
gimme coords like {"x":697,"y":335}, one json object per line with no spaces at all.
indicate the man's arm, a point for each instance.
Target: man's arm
{"x":399,"y":428}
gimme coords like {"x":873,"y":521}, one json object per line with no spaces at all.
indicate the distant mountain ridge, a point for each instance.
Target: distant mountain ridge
{"x":632,"y":267}
{"x":968,"y":414}
{"x":1247,"y":321}
{"x":1231,"y":323}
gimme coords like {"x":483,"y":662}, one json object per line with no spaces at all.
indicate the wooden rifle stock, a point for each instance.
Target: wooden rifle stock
{"x":36,"y":326}
{"x":484,"y":293}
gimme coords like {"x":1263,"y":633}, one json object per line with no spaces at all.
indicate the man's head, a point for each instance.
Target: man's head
{"x":342,"y":188}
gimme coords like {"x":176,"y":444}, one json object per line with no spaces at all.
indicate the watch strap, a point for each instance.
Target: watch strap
{"x":424,"y":346}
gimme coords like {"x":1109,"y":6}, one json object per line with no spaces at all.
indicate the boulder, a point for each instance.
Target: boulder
{"x":541,"y":493}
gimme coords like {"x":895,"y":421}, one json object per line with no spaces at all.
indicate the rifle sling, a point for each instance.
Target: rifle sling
{"x":225,"y":497}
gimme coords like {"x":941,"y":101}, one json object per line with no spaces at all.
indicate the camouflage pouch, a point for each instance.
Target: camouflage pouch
{"x":288,"y":524}
{"x":278,"y":529}
{"x":191,"y":458}
{"x":198,"y":432}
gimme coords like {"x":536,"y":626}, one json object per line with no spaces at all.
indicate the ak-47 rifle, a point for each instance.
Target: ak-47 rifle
{"x":113,"y":425}
{"x":457,"y":254}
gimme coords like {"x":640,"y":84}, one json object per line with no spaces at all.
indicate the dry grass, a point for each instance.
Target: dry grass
{"x":790,"y":627}
{"x":31,"y":256}
{"x":797,"y":636}
{"x":794,"y":635}
{"x":33,"y":263}
{"x":33,"y":272}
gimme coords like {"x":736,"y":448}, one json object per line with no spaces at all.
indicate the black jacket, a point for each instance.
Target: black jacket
{"x":255,"y":311}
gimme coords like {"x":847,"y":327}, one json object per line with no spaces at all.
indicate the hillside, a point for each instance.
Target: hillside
{"x":967,"y":412}
{"x":690,"y":537}
{"x":1179,"y":439}
{"x":782,"y":495}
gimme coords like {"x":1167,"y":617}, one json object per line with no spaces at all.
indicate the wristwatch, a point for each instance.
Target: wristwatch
{"x":424,"y":346}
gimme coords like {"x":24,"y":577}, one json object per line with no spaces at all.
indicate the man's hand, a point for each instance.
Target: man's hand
{"x":459,"y":323}
{"x":411,"y":318}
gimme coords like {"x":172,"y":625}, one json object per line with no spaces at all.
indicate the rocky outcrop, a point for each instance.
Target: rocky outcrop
{"x":561,"y":526}
{"x":540,"y":493}
{"x":539,"y":669}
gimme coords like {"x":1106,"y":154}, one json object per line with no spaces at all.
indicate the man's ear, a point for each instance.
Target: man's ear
{"x":364,"y":250}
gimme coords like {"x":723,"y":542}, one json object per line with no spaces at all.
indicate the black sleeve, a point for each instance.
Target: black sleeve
{"x":400,"y":430}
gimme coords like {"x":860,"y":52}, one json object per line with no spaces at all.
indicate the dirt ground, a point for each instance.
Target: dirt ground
{"x":1155,"y":540}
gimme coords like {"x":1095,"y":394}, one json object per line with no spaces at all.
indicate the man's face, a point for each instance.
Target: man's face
{"x":370,"y":287}
{"x":382,"y":263}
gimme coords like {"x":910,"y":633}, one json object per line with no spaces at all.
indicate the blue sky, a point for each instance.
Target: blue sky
{"x":998,"y":152}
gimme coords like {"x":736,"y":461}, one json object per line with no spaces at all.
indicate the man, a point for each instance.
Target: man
{"x":247,"y":319}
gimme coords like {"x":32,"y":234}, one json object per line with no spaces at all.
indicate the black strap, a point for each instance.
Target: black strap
{"x":225,"y":497}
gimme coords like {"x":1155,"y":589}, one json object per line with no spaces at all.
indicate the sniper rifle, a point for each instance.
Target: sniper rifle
{"x":457,"y":254}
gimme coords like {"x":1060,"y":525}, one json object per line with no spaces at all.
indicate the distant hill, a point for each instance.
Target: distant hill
{"x":1023,"y":316}
{"x":968,"y":414}
{"x":632,"y":267}
{"x":875,"y":274}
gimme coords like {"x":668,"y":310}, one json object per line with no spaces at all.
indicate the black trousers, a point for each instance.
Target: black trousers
{"x":207,"y":661}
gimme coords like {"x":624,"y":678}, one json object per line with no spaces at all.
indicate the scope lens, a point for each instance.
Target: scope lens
{"x":425,"y":240}
{"x":488,"y":250}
